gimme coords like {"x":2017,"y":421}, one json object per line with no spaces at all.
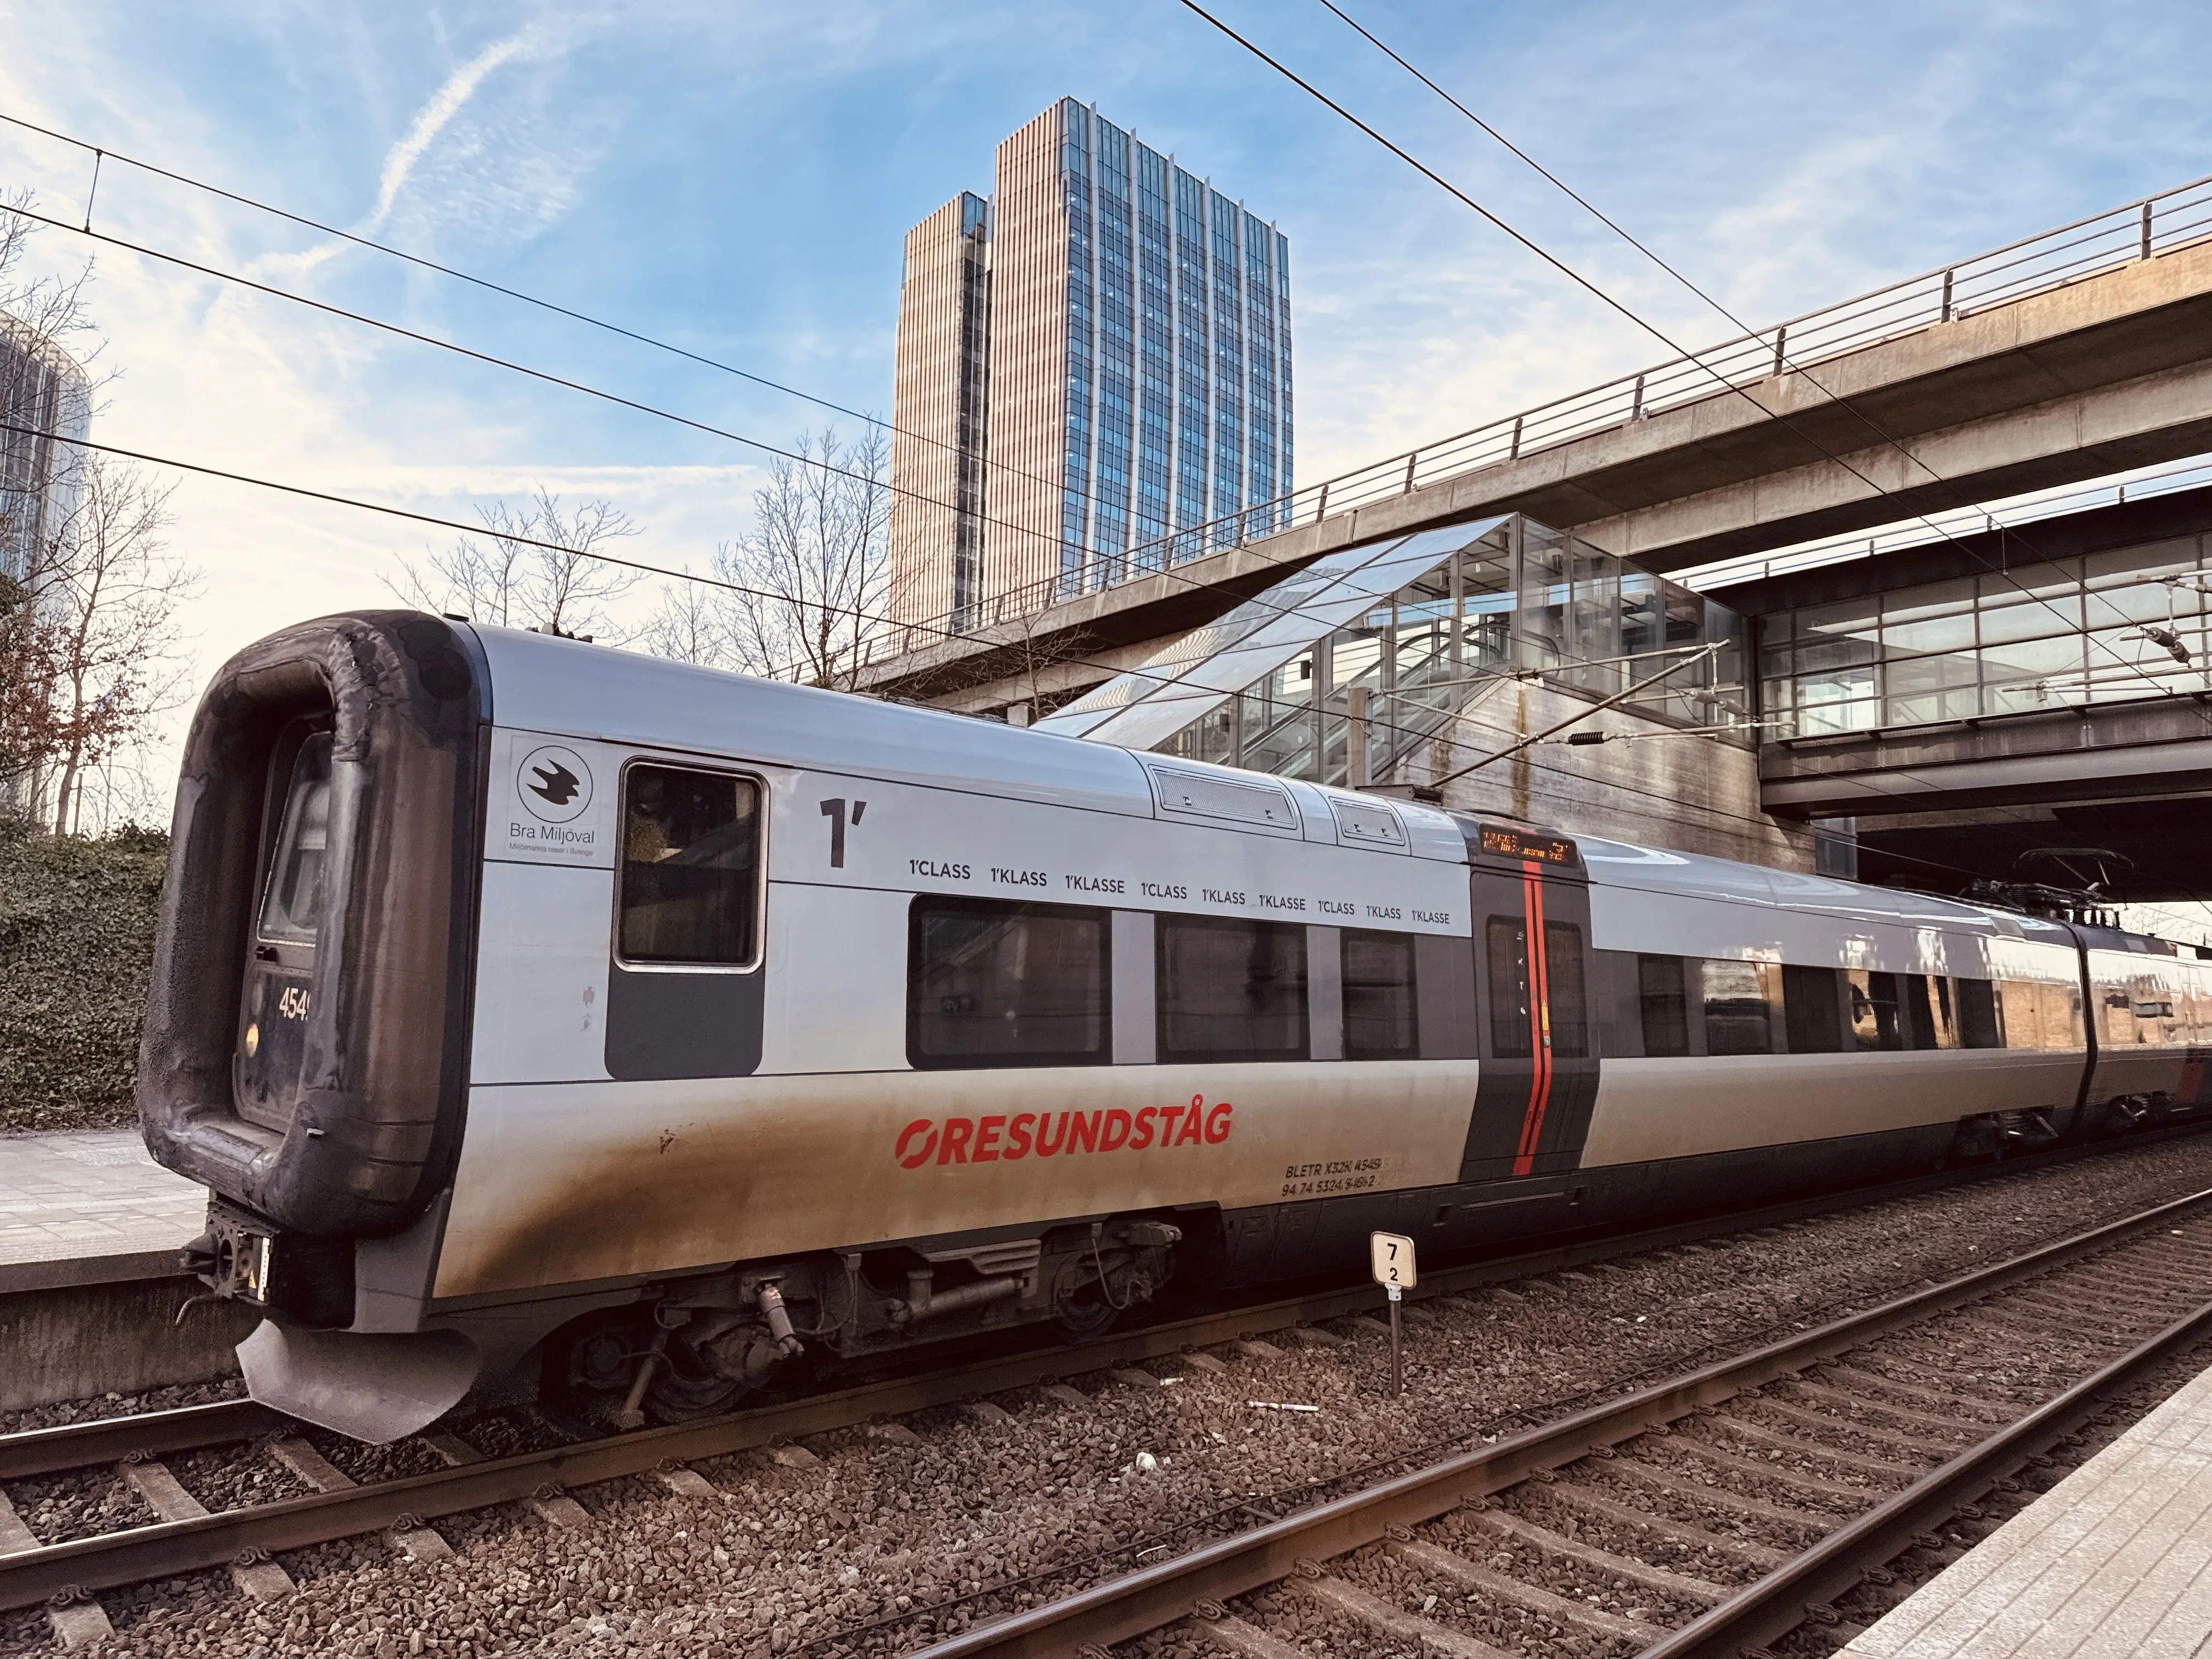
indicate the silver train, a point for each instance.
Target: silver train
{"x":544,"y":1016}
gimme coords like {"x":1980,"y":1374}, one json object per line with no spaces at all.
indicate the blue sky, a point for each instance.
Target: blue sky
{"x":737,"y":179}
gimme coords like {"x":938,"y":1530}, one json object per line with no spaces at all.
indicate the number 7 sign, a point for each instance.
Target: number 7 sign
{"x":1391,"y":1256}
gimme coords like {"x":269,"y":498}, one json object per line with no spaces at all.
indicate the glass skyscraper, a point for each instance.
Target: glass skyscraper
{"x":1138,"y":410}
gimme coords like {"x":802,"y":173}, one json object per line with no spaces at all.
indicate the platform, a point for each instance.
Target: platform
{"x":91,"y":1193}
{"x":2114,"y":1560}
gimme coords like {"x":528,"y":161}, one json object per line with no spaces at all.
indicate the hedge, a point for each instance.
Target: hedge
{"x":76,"y":942}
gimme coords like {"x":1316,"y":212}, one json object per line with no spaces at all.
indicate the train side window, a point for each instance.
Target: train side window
{"x":1740,"y":998}
{"x":1566,"y":992}
{"x":1812,"y":999}
{"x":1875,"y":1022}
{"x":690,"y":869}
{"x":1506,"y":946}
{"x":1978,"y":1024}
{"x":1231,"y":989}
{"x":1664,"y":1005}
{"x":2039,"y":1015}
{"x":994,"y":983}
{"x":1380,"y":1007}
{"x":1926,"y":1013}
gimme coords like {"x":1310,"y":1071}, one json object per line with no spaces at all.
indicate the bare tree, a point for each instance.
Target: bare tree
{"x":811,"y":571}
{"x":90,"y":651}
{"x":51,"y":306}
{"x":507,"y":581}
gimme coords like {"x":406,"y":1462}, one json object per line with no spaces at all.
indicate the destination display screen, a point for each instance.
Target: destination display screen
{"x":1503,"y":842}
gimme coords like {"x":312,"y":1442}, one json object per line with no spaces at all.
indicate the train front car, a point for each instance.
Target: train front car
{"x":658,"y":1028}
{"x":305,"y":1053}
{"x":550,"y":1018}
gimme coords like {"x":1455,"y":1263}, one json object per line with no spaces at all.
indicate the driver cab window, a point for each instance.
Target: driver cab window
{"x":691,"y":868}
{"x":292,"y":903}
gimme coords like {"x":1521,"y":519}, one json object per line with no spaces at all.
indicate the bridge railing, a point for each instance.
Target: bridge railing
{"x":2138,"y":230}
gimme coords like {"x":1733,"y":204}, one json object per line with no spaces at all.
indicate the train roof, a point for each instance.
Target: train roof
{"x":1622,"y":864}
{"x":545,"y":683}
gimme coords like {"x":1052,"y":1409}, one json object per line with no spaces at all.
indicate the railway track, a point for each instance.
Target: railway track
{"x":249,"y":1538}
{"x":1698,"y":1518}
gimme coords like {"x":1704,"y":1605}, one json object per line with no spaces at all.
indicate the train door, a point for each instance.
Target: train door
{"x":1532,"y":953}
{"x":271,"y":1055}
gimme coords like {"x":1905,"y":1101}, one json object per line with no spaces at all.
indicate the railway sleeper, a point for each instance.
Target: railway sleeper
{"x":1952,"y":1384}
{"x":77,"y":1622}
{"x":1394,"y":1621}
{"x":1828,"y":1423}
{"x":2158,"y":1291}
{"x":1900,"y":1414}
{"x":1949,"y":1398}
{"x":1592,"y":1504}
{"x":262,"y":1580}
{"x":1234,"y":1635}
{"x":417,"y":1543}
{"x":1561,"y":1547}
{"x":1456,"y":1569}
{"x":1790,"y":1445}
{"x":2073,"y":1314}
{"x":1688,"y":1488}
{"x":1796,"y":1481}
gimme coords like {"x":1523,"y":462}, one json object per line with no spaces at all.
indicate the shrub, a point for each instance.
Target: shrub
{"x":76,"y":942}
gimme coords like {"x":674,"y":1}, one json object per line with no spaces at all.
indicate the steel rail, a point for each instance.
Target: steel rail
{"x":1775,"y":1604}
{"x":138,"y":1554}
{"x":72,"y":1445}
{"x":1147,"y":1599}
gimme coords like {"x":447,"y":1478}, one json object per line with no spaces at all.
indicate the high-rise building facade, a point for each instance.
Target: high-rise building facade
{"x":46,"y":408}
{"x":1137,"y":373}
{"x":937,"y":440}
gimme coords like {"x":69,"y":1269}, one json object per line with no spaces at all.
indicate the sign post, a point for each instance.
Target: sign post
{"x":1390,"y":1258}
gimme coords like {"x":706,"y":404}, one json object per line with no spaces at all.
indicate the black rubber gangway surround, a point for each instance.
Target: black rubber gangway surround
{"x":383,"y":1076}
{"x":85,"y":1566}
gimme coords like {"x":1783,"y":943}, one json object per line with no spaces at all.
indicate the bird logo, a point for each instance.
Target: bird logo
{"x":555,"y":783}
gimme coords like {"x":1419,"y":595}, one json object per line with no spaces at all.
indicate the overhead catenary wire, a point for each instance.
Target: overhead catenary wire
{"x":1461,"y":716}
{"x":1727,"y":387}
{"x":548,"y":377}
{"x":635,"y":405}
{"x":799,"y":458}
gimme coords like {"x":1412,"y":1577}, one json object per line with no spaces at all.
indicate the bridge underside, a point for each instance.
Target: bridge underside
{"x":2162,"y":840}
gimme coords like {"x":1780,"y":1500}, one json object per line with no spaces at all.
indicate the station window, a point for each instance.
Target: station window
{"x":691,"y":868}
{"x":1813,"y":1000}
{"x":1664,"y":1005}
{"x":992,"y":983}
{"x":1230,"y":989}
{"x":1978,"y":1024}
{"x":1875,"y":1021}
{"x":1741,"y":999}
{"x":2039,"y":1015}
{"x":1381,"y":1021}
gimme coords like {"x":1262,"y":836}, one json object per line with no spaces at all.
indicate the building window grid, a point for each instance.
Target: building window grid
{"x":1978,"y":646}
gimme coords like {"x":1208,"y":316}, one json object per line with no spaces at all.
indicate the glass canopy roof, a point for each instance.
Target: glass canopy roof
{"x":1417,"y":623}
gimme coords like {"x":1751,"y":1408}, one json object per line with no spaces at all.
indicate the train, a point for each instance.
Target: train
{"x":548,"y":1018}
